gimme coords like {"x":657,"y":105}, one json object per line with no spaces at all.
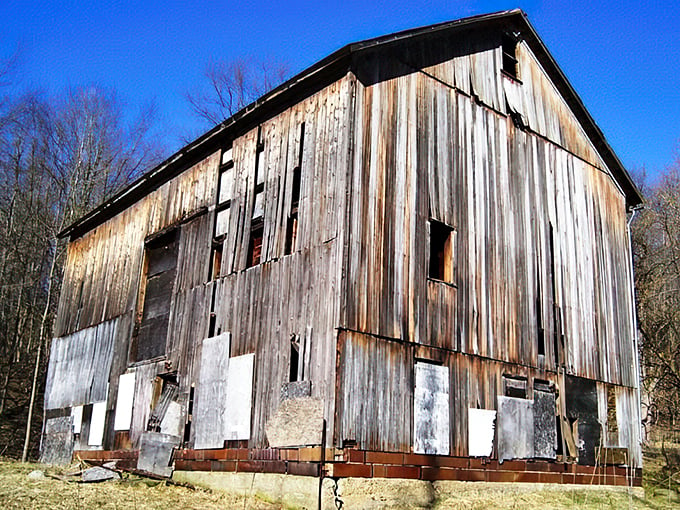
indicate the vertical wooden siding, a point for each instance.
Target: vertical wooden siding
{"x":295,"y":294}
{"x":421,"y":145}
{"x":103,"y":267}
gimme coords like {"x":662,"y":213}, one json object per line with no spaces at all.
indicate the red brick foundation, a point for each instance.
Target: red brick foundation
{"x":367,"y":464}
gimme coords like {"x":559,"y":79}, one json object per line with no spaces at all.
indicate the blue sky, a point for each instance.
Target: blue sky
{"x":623,"y":58}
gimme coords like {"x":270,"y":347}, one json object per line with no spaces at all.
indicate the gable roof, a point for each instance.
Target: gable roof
{"x":330,"y":69}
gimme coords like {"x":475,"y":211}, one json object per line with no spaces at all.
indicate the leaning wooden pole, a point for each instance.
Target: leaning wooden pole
{"x":27,"y":437}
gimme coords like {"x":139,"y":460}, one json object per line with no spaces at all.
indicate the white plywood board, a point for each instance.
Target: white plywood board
{"x":97,"y":423}
{"x":211,"y":391}
{"x":239,"y":397}
{"x":431,"y":409}
{"x":77,"y":415}
{"x":227,"y":156}
{"x":222,"y":226}
{"x":226,"y":185}
{"x":124,"y":402}
{"x":481,"y":426}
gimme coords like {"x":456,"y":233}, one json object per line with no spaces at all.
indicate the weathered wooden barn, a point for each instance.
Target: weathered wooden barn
{"x":415,"y":254}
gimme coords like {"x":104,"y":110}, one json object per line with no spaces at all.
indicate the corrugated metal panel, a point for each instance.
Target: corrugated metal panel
{"x":79,"y":367}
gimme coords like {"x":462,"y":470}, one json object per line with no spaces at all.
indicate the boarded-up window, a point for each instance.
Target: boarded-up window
{"x":208,"y":412}
{"x":97,"y":424}
{"x":161,"y":256}
{"x":545,"y":425}
{"x":441,"y":252}
{"x":239,"y":396}
{"x":126,"y":394}
{"x":223,"y":396}
{"x":515,"y":428}
{"x":481,"y":425}
{"x":431,"y":409}
{"x":582,"y":413}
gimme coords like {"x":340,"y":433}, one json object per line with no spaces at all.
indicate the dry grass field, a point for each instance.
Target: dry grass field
{"x":55,"y":491}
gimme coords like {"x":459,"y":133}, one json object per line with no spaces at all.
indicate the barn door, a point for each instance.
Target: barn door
{"x":431,"y":409}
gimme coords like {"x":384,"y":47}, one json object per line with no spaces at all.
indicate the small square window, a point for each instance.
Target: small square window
{"x":515,"y":386}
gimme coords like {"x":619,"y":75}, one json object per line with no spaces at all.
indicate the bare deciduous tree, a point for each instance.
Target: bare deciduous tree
{"x":656,"y":246}
{"x":232,"y":85}
{"x":59,"y":157}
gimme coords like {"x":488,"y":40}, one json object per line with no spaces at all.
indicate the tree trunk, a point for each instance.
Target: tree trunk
{"x":36,"y":372}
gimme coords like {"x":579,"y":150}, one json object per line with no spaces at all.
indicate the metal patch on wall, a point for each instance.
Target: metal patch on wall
{"x":211,"y":392}
{"x":155,"y":453}
{"x":57,"y":441}
{"x":431,"y":409}
{"x":239,"y":397}
{"x":581,"y":399}
{"x":515,"y":428}
{"x":545,"y":425}
{"x":296,"y":389}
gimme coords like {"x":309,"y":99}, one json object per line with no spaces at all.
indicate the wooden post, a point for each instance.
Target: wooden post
{"x":323,"y":461}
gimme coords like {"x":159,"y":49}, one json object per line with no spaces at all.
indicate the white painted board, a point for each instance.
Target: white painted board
{"x":208,"y":419}
{"x":431,"y":409}
{"x":226,"y":185}
{"x":124,"y":402}
{"x":96,"y":437}
{"x":77,"y":414}
{"x":481,"y":426}
{"x":239,"y":397}
{"x":172,"y":421}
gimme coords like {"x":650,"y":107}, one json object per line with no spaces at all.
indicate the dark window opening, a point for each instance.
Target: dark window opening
{"x":153,"y":315}
{"x":216,"y":266}
{"x":509,"y":48}
{"x":295,"y":193}
{"x":255,"y":244}
{"x":441,"y":252}
{"x":515,"y":386}
{"x":294,"y":359}
{"x":212,"y":324}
